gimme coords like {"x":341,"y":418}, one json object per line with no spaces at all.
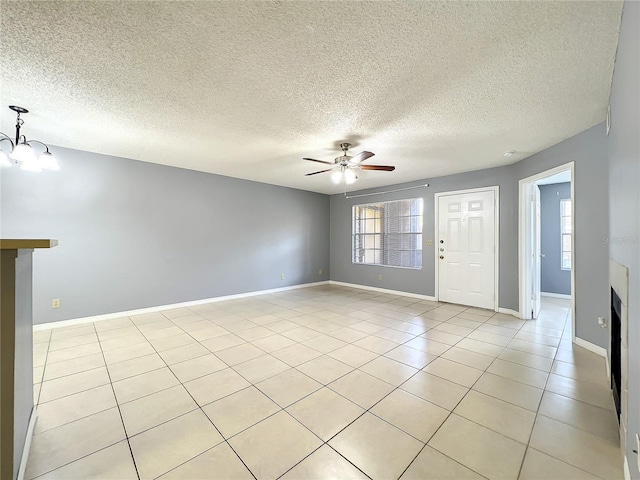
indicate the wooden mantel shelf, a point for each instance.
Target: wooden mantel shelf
{"x":16,"y":244}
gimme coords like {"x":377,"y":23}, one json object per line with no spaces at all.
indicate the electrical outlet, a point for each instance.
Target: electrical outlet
{"x":282,"y":276}
{"x":429,"y":243}
{"x":320,"y":272}
{"x":379,"y":277}
{"x":55,"y":303}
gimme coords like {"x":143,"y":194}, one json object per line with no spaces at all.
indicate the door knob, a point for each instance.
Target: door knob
{"x":441,"y":257}
{"x":441,"y":241}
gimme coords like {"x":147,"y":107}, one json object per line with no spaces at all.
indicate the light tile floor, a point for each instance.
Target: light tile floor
{"x":322,"y":382}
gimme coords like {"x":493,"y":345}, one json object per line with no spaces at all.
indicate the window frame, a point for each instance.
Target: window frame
{"x":382,"y":235}
{"x":563,"y":233}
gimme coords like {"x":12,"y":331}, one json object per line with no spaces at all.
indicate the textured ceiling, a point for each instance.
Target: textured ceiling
{"x":246,"y":89}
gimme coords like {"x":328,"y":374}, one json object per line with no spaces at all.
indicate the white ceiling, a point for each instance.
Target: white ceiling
{"x":246,"y":89}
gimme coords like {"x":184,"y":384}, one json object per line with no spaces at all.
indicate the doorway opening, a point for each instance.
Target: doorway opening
{"x":546,"y":240}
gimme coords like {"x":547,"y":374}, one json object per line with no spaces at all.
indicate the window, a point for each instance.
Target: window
{"x":565,"y":233}
{"x":388,"y":233}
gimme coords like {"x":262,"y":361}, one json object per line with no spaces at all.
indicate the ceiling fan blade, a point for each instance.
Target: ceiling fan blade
{"x":319,"y":161}
{"x":361,"y":157}
{"x":385,"y":168}
{"x":315,"y":173}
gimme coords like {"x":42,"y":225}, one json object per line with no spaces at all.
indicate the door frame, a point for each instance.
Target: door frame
{"x":524,"y":248}
{"x":496,"y":254}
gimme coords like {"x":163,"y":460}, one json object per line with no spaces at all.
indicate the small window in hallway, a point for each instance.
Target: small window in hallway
{"x":565,"y":233}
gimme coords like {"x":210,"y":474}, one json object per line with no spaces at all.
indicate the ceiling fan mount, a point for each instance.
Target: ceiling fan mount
{"x":343,"y":166}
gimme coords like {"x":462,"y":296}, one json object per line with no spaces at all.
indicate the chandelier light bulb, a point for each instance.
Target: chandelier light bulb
{"x":22,"y":152}
{"x":4,"y":159}
{"x":336,"y":176}
{"x":31,"y":164}
{"x":48,"y":162}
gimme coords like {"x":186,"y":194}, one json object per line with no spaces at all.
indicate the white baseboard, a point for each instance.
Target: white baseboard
{"x":385,"y":290}
{"x":591,"y":347}
{"x":555,"y":295}
{"x":160,"y":308}
{"x":508,"y":311}
{"x":27,"y":443}
{"x":627,"y":473}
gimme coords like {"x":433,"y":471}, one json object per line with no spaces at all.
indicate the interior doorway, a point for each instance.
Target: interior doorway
{"x":546,"y":239}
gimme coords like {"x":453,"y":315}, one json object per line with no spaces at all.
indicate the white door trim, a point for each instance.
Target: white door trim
{"x":524,"y":268}
{"x":496,"y":211}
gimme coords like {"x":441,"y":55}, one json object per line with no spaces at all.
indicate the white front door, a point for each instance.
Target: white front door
{"x":466,"y":248}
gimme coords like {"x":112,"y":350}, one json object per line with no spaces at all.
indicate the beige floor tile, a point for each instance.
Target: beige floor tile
{"x":296,"y":354}
{"x":110,"y":334}
{"x":210,"y":331}
{"x":427,"y":345}
{"x":442,"y":337}
{"x":348,"y":334}
{"x":598,"y":421}
{"x":156,"y":330}
{"x":73,"y":352}
{"x":127,"y":353}
{"x":323,"y":464}
{"x":465,"y":322}
{"x":492,"y":338}
{"x":115,"y":323}
{"x":467,"y":357}
{"x":222,"y":342}
{"x":78,"y":382}
{"x":581,"y":449}
{"x":135,"y":366}
{"x":41,"y":336}
{"x":181,"y":354}
{"x":273,"y":342}
{"x":133,"y":388}
{"x":453,"y":371}
{"x":324,"y":343}
{"x":519,"y":373}
{"x":254,"y":333}
{"x":526,"y":359}
{"x":510,"y":391}
{"x":274,"y":445}
{"x":376,"y":344}
{"x":592,"y":393}
{"x":238,"y":354}
{"x":212,"y":387}
{"x":352,"y":355}
{"x":477,"y":346}
{"x":38,"y":374}
{"x":119,"y":342}
{"x":281,"y":326}
{"x":583,"y":357}
{"x":436,"y":390}
{"x":411,"y":328}
{"x":261,"y":368}
{"x":410,"y":356}
{"x":538,"y":338}
{"x":72,"y":342}
{"x":76,"y":365}
{"x":300,"y":334}
{"x":324,"y":369}
{"x":174,"y":341}
{"x":325,"y":412}
{"x":454,"y":329}
{"x":197,"y":367}
{"x":495,"y":329}
{"x":579,"y":372}
{"x":394,"y":335}
{"x":152,"y":410}
{"x":502,"y":417}
{"x":227,"y":466}
{"x":288,"y":387}
{"x":535,"y":348}
{"x":389,"y":370}
{"x":540,"y":466}
{"x":60,"y":446}
{"x":361,"y":388}
{"x":411,"y":414}
{"x":160,"y":449}
{"x":378,"y":449}
{"x":73,"y":407}
{"x":478,"y":448}
{"x":239,"y":411}
{"x":432,"y":465}
{"x":367,"y":327}
{"x":265,"y":319}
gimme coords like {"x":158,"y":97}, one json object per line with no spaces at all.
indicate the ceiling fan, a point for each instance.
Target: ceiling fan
{"x":343,"y":167}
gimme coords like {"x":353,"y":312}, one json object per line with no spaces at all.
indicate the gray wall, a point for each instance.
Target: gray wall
{"x":587,"y":150}
{"x":553,"y":279}
{"x":624,"y":212}
{"x":134,"y":234}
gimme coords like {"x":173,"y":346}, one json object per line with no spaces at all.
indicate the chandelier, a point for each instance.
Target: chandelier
{"x":22,"y":152}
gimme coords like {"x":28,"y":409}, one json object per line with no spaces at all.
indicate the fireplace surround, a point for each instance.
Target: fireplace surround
{"x":618,"y":351}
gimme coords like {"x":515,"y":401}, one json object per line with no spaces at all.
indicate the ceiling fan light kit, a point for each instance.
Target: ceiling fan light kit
{"x":343,"y":167}
{"x":22,"y":152}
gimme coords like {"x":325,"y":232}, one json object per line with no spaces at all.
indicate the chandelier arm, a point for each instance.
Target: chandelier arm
{"x":37,"y":141}
{"x":8,"y":138}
